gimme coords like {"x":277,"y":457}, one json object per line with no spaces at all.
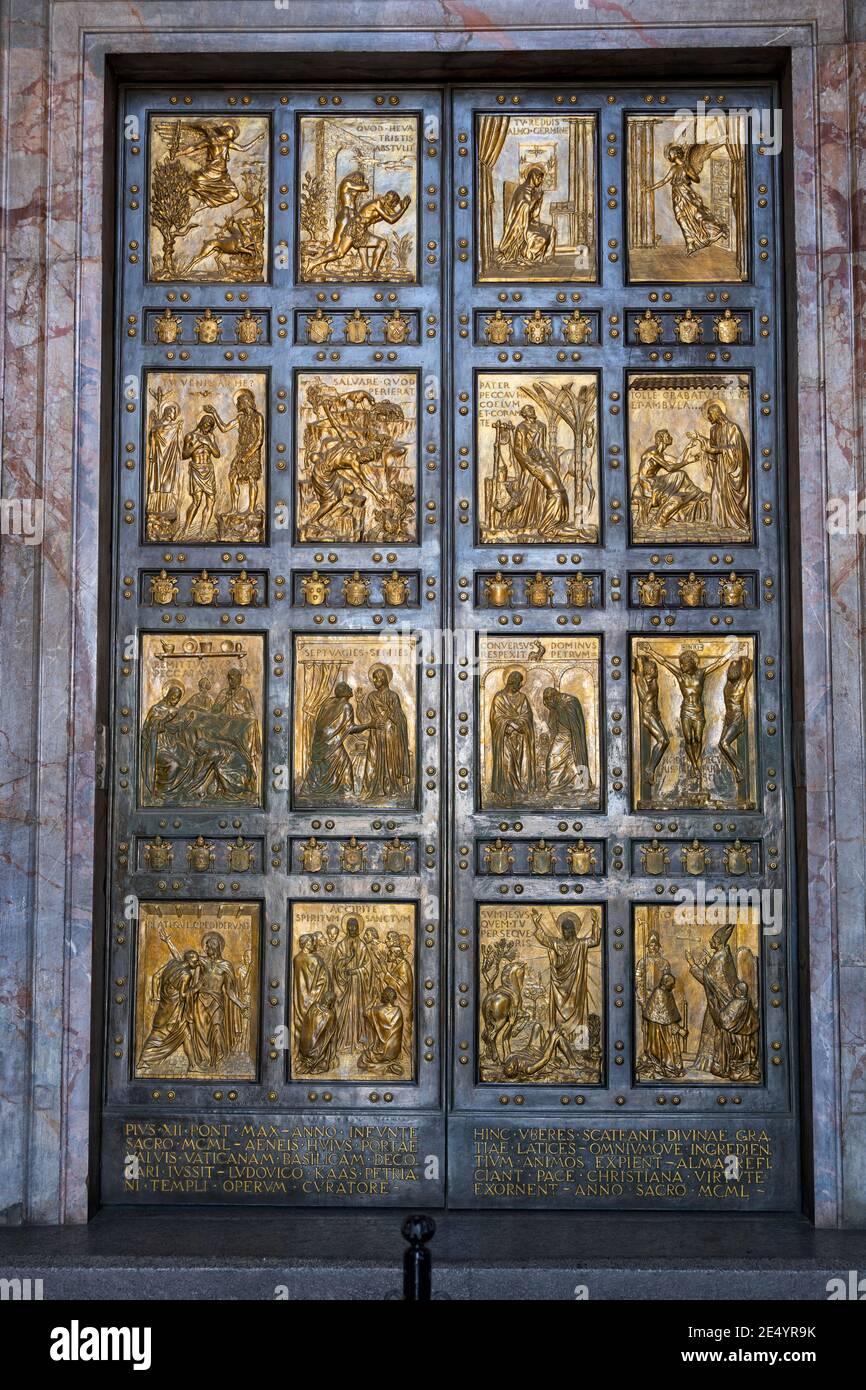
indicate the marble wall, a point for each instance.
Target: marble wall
{"x":60,"y":61}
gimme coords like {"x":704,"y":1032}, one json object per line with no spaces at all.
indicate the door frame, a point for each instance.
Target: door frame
{"x":99,"y":44}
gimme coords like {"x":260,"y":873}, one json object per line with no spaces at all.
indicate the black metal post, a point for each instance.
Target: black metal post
{"x":417,"y":1261}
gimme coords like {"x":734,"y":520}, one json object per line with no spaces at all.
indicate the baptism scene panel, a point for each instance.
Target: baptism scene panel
{"x":206,"y":457}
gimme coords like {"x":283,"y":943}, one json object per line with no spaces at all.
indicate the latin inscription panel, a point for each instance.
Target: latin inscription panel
{"x":312,"y":1159}
{"x":598,"y":1163}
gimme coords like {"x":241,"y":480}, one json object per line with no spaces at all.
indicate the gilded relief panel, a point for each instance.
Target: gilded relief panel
{"x":355,"y":722}
{"x":197,"y":991}
{"x":687,"y":200}
{"x":352,"y":1012}
{"x":208,"y":198}
{"x":358,"y":199}
{"x":537,"y":458}
{"x":690,"y":451}
{"x":539,"y":716}
{"x":541,"y":995}
{"x":697,"y":996}
{"x":201,"y":720}
{"x":357,"y":457}
{"x":536,"y":204}
{"x":205,"y":451}
{"x":694,"y":724}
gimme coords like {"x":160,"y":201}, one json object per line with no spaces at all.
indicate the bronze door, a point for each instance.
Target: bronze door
{"x":450,"y":744}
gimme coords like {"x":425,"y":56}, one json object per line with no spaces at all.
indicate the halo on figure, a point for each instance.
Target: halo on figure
{"x":386,"y":671}
{"x":213,"y":936}
{"x":720,"y":405}
{"x":569,"y":919}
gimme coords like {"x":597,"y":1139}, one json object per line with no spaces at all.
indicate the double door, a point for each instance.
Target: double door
{"x":449,"y":736}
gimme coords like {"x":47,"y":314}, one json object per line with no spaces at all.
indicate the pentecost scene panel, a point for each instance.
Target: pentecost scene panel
{"x":353,"y":991}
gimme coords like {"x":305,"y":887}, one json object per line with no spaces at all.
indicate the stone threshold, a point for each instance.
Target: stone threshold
{"x":339,"y":1255}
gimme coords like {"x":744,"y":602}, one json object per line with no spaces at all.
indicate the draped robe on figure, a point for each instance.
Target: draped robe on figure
{"x":386,"y":767}
{"x":163,"y":461}
{"x":310,"y":981}
{"x":567,"y":751}
{"x":350,"y":970}
{"x":330,"y":769}
{"x":525,"y":239}
{"x":568,"y":1003}
{"x":663,"y":1041}
{"x":720,"y":979}
{"x":730,"y":472}
{"x":512,"y":748}
{"x":542,"y":502}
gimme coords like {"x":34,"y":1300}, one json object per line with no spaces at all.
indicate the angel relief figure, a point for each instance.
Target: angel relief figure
{"x":688,"y":189}
{"x":700,"y":227}
{"x":195,"y":176}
